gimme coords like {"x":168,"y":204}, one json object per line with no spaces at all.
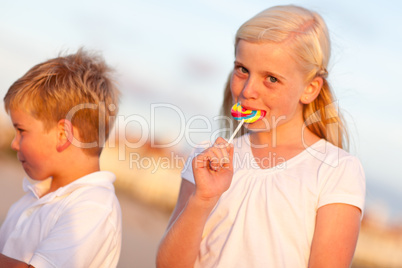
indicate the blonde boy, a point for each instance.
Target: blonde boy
{"x":62,"y":110}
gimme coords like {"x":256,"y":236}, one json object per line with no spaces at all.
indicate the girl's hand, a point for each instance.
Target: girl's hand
{"x":213,"y":171}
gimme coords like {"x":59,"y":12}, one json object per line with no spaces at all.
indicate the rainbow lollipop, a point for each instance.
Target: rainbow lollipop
{"x":245,"y":116}
{"x":249,"y":116}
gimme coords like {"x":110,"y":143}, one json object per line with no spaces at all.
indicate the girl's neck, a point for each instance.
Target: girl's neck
{"x":292,"y":133}
{"x":275,"y":139}
{"x":285,"y":141}
{"x":273,"y":148}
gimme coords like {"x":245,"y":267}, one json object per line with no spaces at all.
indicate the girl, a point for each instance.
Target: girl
{"x":285,"y":194}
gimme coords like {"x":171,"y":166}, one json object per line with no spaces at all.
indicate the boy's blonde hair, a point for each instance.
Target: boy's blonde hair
{"x":78,"y":87}
{"x":306,"y":33}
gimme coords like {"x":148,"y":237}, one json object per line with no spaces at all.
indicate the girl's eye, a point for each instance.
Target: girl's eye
{"x":243,"y":70}
{"x":272,"y":79}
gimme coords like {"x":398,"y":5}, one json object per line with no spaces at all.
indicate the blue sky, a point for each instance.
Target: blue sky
{"x":180,"y":52}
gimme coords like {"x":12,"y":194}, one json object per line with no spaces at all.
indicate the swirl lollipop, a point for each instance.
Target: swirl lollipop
{"x":244,"y":116}
{"x":249,"y":116}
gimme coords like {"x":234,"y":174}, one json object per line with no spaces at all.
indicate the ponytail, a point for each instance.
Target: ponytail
{"x":324,"y":119}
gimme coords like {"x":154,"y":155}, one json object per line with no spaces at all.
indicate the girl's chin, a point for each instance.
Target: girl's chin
{"x":257,"y":127}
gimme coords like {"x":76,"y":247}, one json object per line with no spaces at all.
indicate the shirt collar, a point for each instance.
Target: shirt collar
{"x":100,"y":178}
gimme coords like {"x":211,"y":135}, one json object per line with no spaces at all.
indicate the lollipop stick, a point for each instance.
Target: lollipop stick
{"x":236,"y":130}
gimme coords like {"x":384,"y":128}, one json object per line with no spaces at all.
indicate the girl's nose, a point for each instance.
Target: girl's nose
{"x":250,"y":89}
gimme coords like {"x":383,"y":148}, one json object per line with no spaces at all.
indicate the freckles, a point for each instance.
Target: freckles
{"x":234,"y":82}
{"x":235,"y":92}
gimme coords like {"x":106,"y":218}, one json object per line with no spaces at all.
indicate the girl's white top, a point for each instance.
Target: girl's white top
{"x":267,"y":216}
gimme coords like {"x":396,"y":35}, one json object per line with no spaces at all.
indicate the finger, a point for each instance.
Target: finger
{"x":223,"y":146}
{"x":221,"y":158}
{"x":218,"y":152}
{"x":227,"y":150}
{"x":221,"y":143}
{"x":198,"y":161}
{"x":215,"y":157}
{"x":214,"y":163}
{"x":231,"y":154}
{"x":227,"y":161}
{"x":207,"y":159}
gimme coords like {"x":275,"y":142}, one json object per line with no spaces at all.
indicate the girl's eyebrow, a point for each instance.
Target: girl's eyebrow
{"x":280,"y":77}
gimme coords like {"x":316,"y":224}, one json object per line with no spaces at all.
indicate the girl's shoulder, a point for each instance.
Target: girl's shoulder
{"x":319,"y":155}
{"x":329,"y":154}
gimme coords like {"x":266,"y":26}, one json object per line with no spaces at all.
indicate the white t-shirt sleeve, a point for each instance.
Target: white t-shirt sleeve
{"x":344,"y":183}
{"x":84,"y":236}
{"x":187,"y":171}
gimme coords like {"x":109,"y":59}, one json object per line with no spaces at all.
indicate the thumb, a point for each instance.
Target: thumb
{"x":229,"y":161}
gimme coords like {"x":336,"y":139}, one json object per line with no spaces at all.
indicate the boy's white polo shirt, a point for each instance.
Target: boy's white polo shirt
{"x":78,"y":225}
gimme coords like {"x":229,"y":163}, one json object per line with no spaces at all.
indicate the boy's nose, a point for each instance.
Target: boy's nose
{"x":15,"y":144}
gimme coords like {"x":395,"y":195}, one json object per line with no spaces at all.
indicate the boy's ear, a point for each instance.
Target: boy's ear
{"x":312,"y":90}
{"x":64,"y":134}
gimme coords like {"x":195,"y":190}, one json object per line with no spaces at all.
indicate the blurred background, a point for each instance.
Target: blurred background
{"x":172,"y":59}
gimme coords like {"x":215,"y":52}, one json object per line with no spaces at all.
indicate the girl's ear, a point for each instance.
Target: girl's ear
{"x":64,"y":134}
{"x":312,"y":90}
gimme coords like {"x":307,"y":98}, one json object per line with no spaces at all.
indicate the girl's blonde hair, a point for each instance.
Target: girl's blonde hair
{"x":307,"y":35}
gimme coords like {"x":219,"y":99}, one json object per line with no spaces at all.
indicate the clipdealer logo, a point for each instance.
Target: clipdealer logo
{"x":147,"y":132}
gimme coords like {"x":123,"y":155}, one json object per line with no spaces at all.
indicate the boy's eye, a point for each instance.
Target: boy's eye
{"x":272,"y":79}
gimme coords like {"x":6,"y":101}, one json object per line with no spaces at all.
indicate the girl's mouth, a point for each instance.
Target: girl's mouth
{"x":249,"y":108}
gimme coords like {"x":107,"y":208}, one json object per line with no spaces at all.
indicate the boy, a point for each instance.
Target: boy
{"x":62,"y":111}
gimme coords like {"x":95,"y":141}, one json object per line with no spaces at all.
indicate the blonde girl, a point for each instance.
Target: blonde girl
{"x":285,"y":194}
